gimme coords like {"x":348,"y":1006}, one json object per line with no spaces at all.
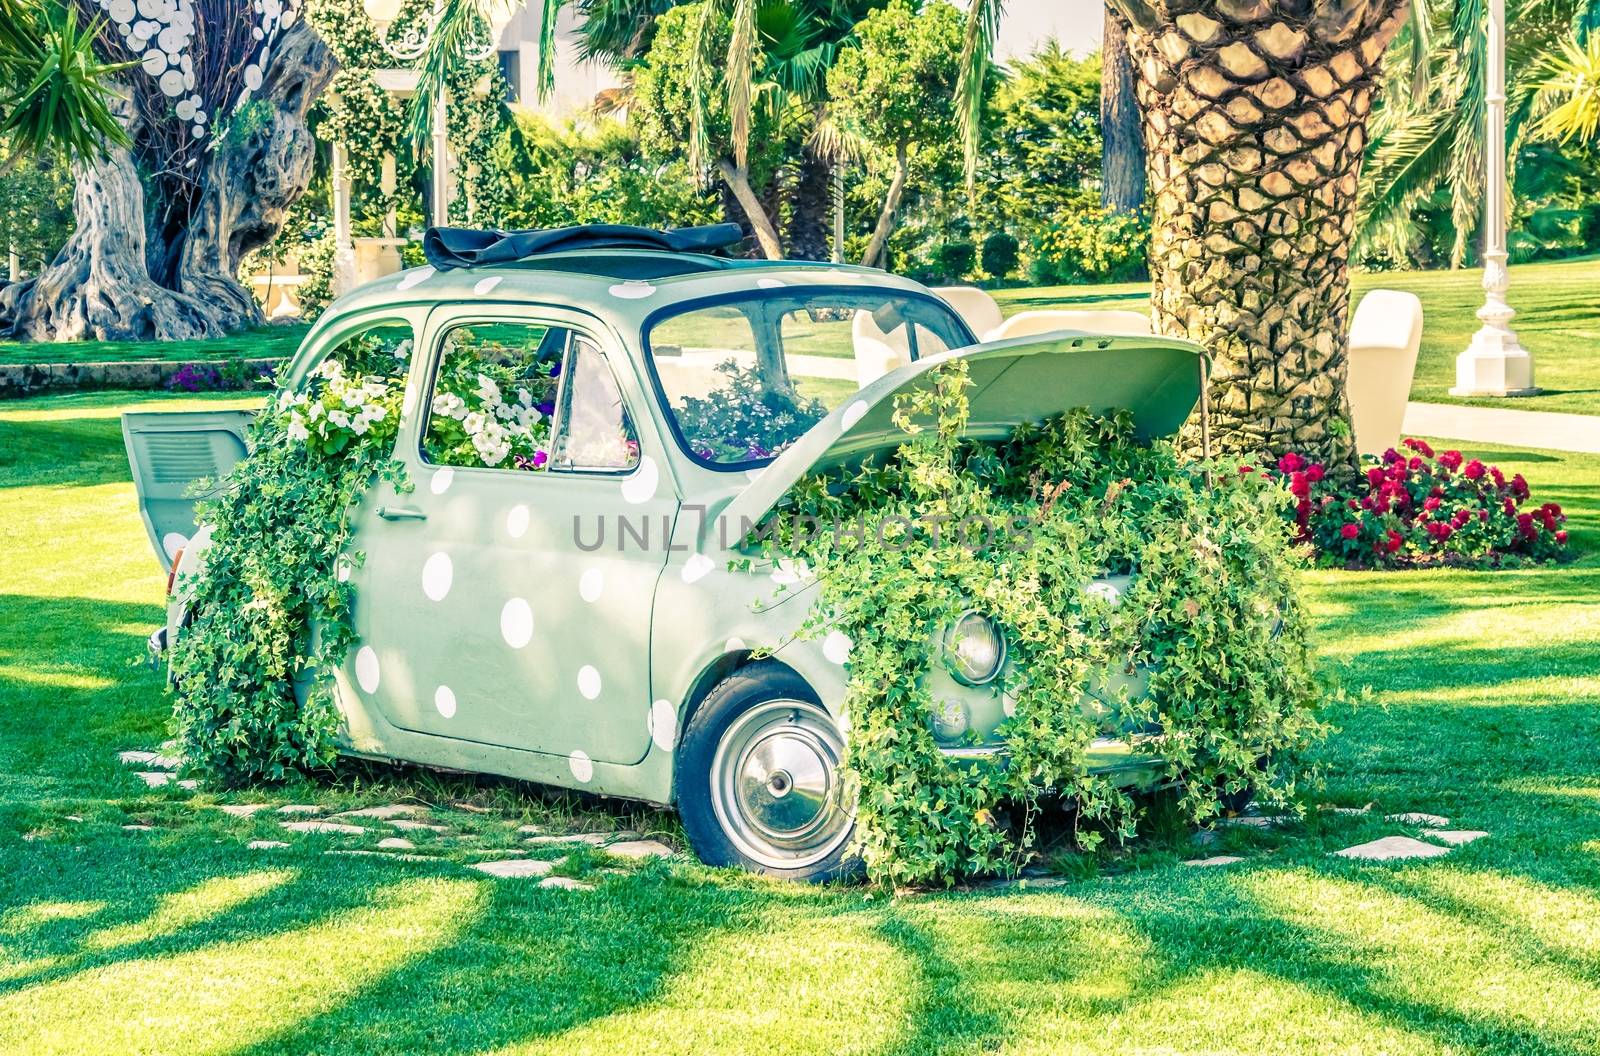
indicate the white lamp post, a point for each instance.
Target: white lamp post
{"x":410,"y":46}
{"x":1495,"y":363}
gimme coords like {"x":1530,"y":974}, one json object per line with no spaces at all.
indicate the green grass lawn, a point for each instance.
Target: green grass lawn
{"x":265,"y":342}
{"x":180,"y":940}
{"x":1558,"y":320}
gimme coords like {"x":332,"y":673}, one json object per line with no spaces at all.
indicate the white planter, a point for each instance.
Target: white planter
{"x":1384,"y":337}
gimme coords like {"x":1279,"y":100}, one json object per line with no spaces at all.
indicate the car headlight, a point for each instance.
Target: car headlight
{"x":974,"y":649}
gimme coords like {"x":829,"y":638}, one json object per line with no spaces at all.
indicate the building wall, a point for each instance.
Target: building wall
{"x":576,"y":83}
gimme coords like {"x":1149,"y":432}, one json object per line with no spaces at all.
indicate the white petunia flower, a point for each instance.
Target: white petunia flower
{"x":297,"y":428}
{"x":473,"y":423}
{"x":450,"y":405}
{"x":339,"y":418}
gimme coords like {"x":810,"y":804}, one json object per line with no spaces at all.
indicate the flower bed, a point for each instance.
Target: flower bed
{"x":1418,"y":509}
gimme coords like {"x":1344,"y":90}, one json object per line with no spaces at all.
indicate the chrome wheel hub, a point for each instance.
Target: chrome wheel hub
{"x":775,"y":784}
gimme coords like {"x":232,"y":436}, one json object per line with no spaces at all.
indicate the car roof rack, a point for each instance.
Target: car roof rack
{"x":460,"y":247}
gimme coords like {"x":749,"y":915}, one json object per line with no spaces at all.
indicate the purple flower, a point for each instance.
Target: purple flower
{"x":547,"y":408}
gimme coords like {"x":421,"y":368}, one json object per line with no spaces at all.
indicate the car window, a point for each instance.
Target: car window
{"x":594,"y":431}
{"x":743,"y":379}
{"x":525,"y":396}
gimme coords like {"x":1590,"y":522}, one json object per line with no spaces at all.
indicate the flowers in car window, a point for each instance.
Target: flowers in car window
{"x":334,"y":408}
{"x":489,"y":407}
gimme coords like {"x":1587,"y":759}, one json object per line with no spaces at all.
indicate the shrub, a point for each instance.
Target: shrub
{"x":1419,"y":509}
{"x":956,"y":260}
{"x":250,"y":676}
{"x":1210,"y":615}
{"x":1000,"y":255}
{"x":1090,"y":245}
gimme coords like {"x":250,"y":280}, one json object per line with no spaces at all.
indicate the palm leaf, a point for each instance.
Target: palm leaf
{"x":56,"y":91}
{"x":977,"y":50}
{"x":740,"y":75}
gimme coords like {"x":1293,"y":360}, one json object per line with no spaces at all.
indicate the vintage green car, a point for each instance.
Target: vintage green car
{"x":589,"y":428}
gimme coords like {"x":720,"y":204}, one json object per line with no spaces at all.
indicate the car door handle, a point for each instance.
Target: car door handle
{"x":401,"y":513}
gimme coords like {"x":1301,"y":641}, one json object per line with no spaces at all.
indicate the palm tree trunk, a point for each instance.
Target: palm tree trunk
{"x":891,"y":202}
{"x":1121,"y":135}
{"x":738,"y":181}
{"x":1255,"y":118}
{"x":811,"y":219}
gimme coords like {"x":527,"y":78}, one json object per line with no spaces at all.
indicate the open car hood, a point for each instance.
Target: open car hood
{"x":1014,"y":381}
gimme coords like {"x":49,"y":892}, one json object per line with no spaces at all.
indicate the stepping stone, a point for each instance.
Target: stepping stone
{"x":395,"y":843}
{"x":406,"y":825}
{"x":530,"y":830}
{"x":593,"y":839}
{"x":138,"y":828}
{"x":1358,"y":811}
{"x":74,"y":817}
{"x":155,"y":778}
{"x":1455,"y":837}
{"x":384,"y":813}
{"x":472,"y":808}
{"x":189,"y":784}
{"x":514,"y":868}
{"x":639,"y":849}
{"x":138,"y":758}
{"x":1221,"y":859}
{"x":565,"y":883}
{"x":1204,"y":838}
{"x":1431,"y":821}
{"x":386,"y":854}
{"x":1250,"y":821}
{"x":324,"y":826}
{"x":1393,"y":849}
{"x":242,"y":810}
{"x":300,"y":808}
{"x":265,"y":845}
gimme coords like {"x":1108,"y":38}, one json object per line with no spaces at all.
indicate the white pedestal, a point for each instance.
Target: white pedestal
{"x":1495,"y":364}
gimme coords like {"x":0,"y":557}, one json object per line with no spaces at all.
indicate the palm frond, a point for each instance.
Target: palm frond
{"x":57,"y":93}
{"x":549,"y":11}
{"x":1570,"y":92}
{"x":977,"y":51}
{"x":740,"y":75}
{"x":700,"y":76}
{"x":1407,"y":164}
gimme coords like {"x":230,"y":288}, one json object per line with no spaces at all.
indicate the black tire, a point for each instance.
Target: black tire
{"x":745,"y":714}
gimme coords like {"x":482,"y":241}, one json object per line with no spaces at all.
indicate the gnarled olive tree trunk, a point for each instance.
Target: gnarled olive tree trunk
{"x":156,"y":257}
{"x":1255,"y":116}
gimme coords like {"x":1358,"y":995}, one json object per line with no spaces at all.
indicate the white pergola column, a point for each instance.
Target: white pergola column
{"x":1495,"y":363}
{"x":344,"y":253}
{"x":441,"y":161}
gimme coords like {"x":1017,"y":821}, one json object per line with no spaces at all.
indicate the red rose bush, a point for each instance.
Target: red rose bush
{"x":1418,"y":508}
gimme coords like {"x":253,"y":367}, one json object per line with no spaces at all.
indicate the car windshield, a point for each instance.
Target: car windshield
{"x":744,"y":378}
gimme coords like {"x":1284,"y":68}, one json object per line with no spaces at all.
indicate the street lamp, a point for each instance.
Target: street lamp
{"x":1495,"y":363}
{"x":411,"y":45}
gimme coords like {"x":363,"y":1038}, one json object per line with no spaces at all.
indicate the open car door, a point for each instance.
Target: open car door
{"x":168,"y":451}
